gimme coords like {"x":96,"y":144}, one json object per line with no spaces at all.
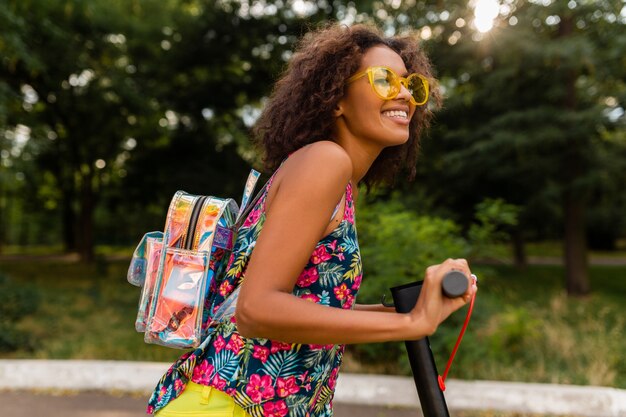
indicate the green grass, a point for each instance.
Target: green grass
{"x":85,"y":312}
{"x":524,"y":327}
{"x":555,"y":249}
{"x":527,"y":329}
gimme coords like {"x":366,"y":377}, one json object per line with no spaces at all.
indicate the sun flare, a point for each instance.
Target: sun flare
{"x":485,"y":11}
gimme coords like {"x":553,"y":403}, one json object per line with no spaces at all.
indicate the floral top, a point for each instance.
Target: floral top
{"x":266,"y":377}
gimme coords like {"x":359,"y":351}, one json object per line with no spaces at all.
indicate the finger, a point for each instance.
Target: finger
{"x":458,"y":264}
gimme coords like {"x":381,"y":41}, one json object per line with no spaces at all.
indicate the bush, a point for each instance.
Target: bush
{"x":16,"y":302}
{"x":397,"y":245}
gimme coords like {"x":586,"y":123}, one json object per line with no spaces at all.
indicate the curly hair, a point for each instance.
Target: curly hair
{"x":300,"y":109}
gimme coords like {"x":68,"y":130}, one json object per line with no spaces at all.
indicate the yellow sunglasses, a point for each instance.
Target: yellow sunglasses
{"x":387,"y":84}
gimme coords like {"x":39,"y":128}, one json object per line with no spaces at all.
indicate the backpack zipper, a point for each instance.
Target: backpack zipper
{"x":193,"y":220}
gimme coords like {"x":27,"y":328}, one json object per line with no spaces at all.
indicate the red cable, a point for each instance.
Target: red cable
{"x":440,"y":379}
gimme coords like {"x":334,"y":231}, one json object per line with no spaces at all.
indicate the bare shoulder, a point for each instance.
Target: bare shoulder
{"x":318,"y":171}
{"x":324,"y":160}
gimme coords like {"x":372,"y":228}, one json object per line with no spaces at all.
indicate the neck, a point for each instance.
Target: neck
{"x":362,"y":155}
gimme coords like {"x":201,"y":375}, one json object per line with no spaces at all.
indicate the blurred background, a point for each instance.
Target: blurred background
{"x":107,"y":107}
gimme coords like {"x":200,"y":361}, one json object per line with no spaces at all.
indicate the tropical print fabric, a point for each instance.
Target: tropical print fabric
{"x":266,"y":377}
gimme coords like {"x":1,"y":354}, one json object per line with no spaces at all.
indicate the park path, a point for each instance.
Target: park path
{"x":97,"y":404}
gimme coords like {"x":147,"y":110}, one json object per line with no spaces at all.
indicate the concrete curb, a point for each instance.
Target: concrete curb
{"x":359,"y":389}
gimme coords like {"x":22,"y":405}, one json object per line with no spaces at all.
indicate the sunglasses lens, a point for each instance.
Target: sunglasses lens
{"x":385,"y":83}
{"x":418,"y":88}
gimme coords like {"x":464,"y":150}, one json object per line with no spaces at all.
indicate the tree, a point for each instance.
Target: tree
{"x":526,"y":119}
{"x":127,"y":101}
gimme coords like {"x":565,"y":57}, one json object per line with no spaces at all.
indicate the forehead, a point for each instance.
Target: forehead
{"x":383,"y":56}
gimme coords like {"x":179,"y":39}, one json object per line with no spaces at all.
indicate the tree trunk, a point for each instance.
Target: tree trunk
{"x":68,"y":219}
{"x":87,"y":206}
{"x":3,"y":215}
{"x":574,"y":200}
{"x":519,"y":251}
{"x":575,"y":245}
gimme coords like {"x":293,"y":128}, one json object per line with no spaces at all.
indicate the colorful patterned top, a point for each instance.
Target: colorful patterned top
{"x":270,"y":378}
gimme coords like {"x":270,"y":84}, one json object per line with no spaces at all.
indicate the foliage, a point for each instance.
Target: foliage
{"x":17,"y":301}
{"x":397,"y":245}
{"x":536,"y":126}
{"x":494,"y":219}
{"x":115,"y":98}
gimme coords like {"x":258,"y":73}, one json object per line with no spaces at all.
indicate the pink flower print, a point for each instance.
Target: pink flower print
{"x":252,"y":218}
{"x":332,"y":380}
{"x":225,"y":288}
{"x":278,"y":346}
{"x":231,"y":391}
{"x":179,"y":385}
{"x":341,"y":292}
{"x":162,"y":392}
{"x":202,"y":373}
{"x":347,"y":304}
{"x":261,"y":353}
{"x":303,"y":376}
{"x":327,"y":347}
{"x":357,"y":282}
{"x":150,"y":409}
{"x":320,"y":255}
{"x":260,"y":387}
{"x":349,"y":211}
{"x":235,"y":343}
{"x":310,"y":297}
{"x":307,"y":277}
{"x":286,"y":387}
{"x":219,"y":344}
{"x":340,"y":255}
{"x":333,"y":245}
{"x":218,"y":383}
{"x":275,"y":409}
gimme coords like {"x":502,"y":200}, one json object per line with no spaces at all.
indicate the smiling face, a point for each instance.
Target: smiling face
{"x":361,"y":114}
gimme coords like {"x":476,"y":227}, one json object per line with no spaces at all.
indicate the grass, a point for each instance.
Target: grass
{"x":555,"y":249}
{"x":86,"y":312}
{"x":527,"y":329}
{"x":524,"y":327}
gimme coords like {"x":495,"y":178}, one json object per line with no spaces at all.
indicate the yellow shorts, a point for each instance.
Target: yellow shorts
{"x":202,"y":401}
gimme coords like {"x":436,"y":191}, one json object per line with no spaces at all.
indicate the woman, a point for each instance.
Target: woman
{"x":341,"y":115}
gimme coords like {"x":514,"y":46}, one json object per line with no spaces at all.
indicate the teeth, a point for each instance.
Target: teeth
{"x":396,"y":113}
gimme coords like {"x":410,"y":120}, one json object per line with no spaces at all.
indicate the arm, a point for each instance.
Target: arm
{"x":374,"y":307}
{"x":295,"y":221}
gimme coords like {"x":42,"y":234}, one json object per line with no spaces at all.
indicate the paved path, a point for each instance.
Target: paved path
{"x":93,"y":404}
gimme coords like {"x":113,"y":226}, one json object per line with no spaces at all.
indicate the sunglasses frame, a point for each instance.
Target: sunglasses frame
{"x":401,"y":81}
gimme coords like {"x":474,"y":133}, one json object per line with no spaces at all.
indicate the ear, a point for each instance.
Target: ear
{"x":338,"y":111}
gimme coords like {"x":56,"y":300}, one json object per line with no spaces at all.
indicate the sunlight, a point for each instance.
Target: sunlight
{"x":485,"y":11}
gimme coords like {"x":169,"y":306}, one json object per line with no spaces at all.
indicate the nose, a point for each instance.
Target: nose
{"x":404,"y":93}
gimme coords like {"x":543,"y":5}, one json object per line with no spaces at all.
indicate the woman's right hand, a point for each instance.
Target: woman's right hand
{"x":432,"y":306}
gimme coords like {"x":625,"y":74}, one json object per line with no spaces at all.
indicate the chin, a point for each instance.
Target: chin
{"x":398,"y":140}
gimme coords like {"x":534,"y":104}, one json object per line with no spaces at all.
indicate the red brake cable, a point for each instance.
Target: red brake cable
{"x":440,"y":379}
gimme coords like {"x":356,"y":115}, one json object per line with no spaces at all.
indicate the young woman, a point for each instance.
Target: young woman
{"x":348,"y":110}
